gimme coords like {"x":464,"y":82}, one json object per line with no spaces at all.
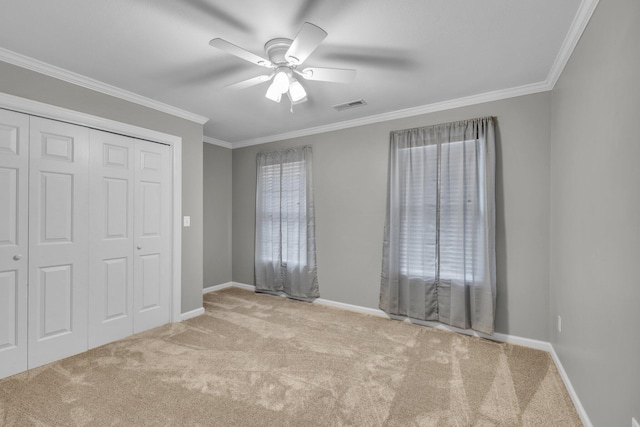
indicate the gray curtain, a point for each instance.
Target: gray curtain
{"x":285,"y":250}
{"x":439,"y":237}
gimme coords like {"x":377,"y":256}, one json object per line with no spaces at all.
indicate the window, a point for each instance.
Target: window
{"x":439,"y":210}
{"x":285,"y":255}
{"x":283,"y":212}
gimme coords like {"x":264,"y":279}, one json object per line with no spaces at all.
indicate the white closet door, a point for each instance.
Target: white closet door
{"x":14,"y":241}
{"x":152,"y":228}
{"x":111,"y":237}
{"x":58,"y":235}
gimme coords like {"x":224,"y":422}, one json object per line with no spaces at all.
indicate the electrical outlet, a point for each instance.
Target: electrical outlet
{"x":187,"y":221}
{"x":634,"y":423}
{"x":559,"y":323}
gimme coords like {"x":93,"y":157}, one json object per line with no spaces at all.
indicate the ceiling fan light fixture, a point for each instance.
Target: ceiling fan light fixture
{"x":285,"y":56}
{"x":281,"y":81}
{"x":297,"y":92}
{"x":273,"y":93}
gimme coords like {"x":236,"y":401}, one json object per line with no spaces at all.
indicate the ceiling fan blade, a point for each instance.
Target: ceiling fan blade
{"x":240,"y":52}
{"x":308,"y":39}
{"x":251,"y":82}
{"x":337,"y":75}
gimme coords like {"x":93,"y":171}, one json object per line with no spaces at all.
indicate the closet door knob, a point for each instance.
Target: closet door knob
{"x":17,"y":257}
{"x":139,"y":247}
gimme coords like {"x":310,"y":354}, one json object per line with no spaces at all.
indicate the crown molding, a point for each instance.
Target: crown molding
{"x":37,"y":108}
{"x":98,"y":86}
{"x":580,"y":21}
{"x":217,"y":142}
{"x":408,"y":112}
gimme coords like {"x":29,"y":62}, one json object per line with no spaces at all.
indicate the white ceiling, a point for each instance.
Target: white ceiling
{"x":408,"y":53}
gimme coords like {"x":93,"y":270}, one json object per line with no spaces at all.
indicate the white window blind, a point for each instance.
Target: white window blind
{"x":439,"y":212}
{"x":284,"y":216}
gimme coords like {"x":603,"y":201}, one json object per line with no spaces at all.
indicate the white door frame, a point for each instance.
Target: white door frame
{"x":41,"y":109}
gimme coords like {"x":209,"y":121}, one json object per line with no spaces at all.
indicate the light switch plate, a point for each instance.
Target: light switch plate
{"x":634,"y":423}
{"x":187,"y":221}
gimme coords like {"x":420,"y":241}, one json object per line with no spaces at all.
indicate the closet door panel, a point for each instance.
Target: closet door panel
{"x":14,"y":244}
{"x":9,"y":291}
{"x":111,"y":237}
{"x":9,"y":204}
{"x":58,"y":234}
{"x":152,"y":228}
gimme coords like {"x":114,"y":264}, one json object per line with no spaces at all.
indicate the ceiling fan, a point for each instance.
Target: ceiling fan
{"x":285,"y":56}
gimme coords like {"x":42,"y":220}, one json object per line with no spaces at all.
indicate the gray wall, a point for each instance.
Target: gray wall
{"x":350,"y":178}
{"x":28,"y":84}
{"x":217,"y":215}
{"x":595,"y":215}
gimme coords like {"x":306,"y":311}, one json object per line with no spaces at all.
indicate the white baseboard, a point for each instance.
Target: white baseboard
{"x":572,"y":393}
{"x":193,"y":313}
{"x":217,"y":287}
{"x":227,"y":285}
{"x":351,"y":307}
{"x":506,"y":338}
{"x":244,"y":286}
{"x":525,"y":342}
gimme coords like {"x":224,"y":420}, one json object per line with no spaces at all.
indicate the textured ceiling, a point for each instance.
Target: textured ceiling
{"x":407,"y":53}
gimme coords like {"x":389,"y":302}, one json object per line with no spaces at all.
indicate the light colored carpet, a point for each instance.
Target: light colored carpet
{"x":259,"y":360}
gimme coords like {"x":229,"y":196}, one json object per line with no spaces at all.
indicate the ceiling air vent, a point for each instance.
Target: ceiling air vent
{"x":349,"y":105}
